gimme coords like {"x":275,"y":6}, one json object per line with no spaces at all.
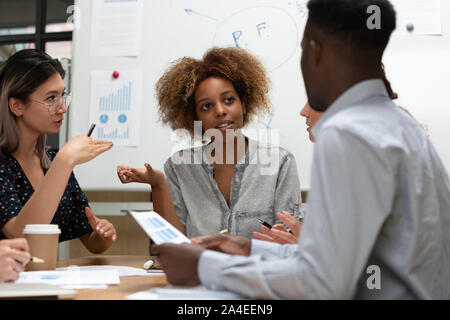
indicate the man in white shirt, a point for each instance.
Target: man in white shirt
{"x":379,"y":205}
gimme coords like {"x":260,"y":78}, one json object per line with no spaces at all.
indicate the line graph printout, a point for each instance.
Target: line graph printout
{"x":157,"y":228}
{"x":116,"y":106}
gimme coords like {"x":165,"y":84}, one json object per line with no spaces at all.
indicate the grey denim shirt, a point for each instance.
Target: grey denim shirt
{"x":265,"y":182}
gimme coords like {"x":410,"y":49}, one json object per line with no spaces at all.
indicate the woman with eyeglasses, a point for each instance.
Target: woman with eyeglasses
{"x":38,"y":186}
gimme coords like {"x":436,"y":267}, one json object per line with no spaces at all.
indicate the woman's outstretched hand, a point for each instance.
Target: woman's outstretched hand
{"x":142,"y":175}
{"x":82,"y":149}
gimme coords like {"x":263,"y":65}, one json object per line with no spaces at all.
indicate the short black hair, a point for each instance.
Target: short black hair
{"x":348,"y":19}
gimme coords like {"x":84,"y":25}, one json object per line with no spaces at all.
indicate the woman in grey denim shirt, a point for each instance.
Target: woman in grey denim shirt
{"x":231,"y":180}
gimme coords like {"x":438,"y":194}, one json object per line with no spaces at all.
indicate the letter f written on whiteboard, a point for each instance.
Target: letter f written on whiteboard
{"x":261,"y":26}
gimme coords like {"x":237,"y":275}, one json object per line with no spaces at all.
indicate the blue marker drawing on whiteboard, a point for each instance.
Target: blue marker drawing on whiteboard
{"x":261,"y":26}
{"x":301,"y":7}
{"x":268,"y":31}
{"x":236,"y":35}
{"x":192,"y":12}
{"x":268,"y":124}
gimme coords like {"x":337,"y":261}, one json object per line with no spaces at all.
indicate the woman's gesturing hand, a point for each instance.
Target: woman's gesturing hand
{"x":82,"y":149}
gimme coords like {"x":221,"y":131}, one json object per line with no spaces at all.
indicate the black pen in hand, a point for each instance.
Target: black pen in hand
{"x":268,"y":225}
{"x":91,"y":129}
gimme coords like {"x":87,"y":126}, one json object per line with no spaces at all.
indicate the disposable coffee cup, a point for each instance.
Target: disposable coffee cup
{"x":43,"y":242}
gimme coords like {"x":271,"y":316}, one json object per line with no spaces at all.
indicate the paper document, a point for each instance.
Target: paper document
{"x":183,"y":293}
{"x":34,"y":290}
{"x":116,"y":27}
{"x":424,"y":16}
{"x":73,"y":278}
{"x":157,"y":228}
{"x":123,"y":271}
{"x":115,"y":106}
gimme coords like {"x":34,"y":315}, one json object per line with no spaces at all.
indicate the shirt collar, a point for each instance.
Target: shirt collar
{"x":350,"y":98}
{"x":242,"y":163}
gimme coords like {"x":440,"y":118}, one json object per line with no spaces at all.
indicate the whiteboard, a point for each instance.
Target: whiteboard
{"x":417,"y":66}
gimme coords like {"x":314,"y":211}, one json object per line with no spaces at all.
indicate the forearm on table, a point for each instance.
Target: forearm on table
{"x":163,"y":205}
{"x":41,"y":207}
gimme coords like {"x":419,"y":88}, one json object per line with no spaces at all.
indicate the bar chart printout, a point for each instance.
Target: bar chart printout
{"x":157,"y":228}
{"x":116,"y":107}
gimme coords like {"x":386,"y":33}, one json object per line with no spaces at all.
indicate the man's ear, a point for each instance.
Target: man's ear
{"x":16,"y":106}
{"x":317,"y":51}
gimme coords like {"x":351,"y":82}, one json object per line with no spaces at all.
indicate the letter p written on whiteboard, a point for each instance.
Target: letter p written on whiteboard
{"x":236,"y":36}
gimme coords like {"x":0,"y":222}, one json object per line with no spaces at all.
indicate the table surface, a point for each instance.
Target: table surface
{"x":127,"y":286}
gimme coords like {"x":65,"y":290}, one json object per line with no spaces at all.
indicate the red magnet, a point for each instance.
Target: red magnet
{"x":116,"y":74}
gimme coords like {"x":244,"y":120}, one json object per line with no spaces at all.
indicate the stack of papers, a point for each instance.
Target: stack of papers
{"x":182,"y":293}
{"x":74,"y":278}
{"x":123,"y":271}
{"x":23,"y":290}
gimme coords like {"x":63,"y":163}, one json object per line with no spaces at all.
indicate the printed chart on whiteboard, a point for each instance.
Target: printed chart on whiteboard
{"x":116,"y":106}
{"x":116,"y":28}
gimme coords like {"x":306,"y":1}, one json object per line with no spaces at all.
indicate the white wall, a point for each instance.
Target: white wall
{"x":418,"y":68}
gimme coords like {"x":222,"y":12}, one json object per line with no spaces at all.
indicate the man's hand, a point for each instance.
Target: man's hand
{"x":179,"y":262}
{"x":225,"y":243}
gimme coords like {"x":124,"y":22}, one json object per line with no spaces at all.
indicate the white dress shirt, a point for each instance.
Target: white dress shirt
{"x":379,"y":196}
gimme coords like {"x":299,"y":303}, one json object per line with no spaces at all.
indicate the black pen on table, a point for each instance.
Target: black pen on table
{"x":91,"y":129}
{"x":268,"y":225}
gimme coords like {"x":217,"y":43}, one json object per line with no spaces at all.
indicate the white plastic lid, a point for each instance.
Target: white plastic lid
{"x":41,"y":229}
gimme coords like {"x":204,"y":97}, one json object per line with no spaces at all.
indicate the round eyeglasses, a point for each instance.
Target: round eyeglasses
{"x":56,"y":105}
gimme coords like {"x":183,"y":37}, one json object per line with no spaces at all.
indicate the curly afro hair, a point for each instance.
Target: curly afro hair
{"x":175,"y":90}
